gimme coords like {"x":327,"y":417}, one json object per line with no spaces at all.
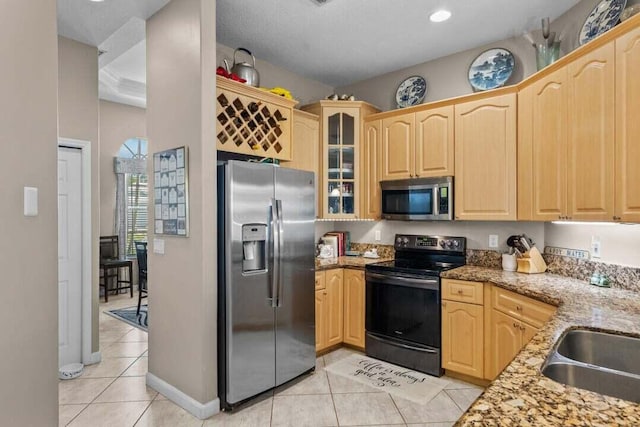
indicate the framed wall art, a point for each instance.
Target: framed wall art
{"x":171,"y":192}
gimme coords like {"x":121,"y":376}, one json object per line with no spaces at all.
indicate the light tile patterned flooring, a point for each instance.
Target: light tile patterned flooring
{"x":113,"y":393}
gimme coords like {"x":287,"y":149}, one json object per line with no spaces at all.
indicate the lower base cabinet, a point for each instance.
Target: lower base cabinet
{"x":481,"y":339}
{"x":463,"y":338}
{"x":354,"y":307}
{"x":329,"y":303}
{"x":340,"y":308}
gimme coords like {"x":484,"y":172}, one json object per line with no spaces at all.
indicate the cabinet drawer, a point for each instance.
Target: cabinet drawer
{"x":463,"y":291}
{"x":535,"y":313}
{"x":320,"y":280}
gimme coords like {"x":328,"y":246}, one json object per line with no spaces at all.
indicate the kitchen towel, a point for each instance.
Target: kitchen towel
{"x":396,"y":380}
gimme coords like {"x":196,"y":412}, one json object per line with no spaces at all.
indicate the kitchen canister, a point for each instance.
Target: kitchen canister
{"x":509,"y":262}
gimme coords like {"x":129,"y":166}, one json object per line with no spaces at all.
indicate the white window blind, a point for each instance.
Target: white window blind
{"x":137,"y":217}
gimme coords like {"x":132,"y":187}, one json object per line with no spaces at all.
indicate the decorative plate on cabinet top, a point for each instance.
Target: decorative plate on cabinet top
{"x":411,"y":91}
{"x":602,"y":18}
{"x":491,"y":69}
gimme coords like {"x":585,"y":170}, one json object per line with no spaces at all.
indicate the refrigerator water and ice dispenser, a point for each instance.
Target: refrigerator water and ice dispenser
{"x":254,"y":246}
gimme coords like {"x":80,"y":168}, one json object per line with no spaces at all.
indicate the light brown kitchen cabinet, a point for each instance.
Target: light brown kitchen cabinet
{"x":463,"y":327}
{"x":514,"y":320}
{"x":398,"y":152}
{"x":591,"y":136}
{"x":341,"y":129}
{"x":434,"y":142}
{"x":542,"y":149}
{"x":354,"y":307}
{"x":329,"y":303}
{"x":306,"y":147}
{"x":418,"y":144}
{"x":251,"y":121}
{"x":627,"y":172}
{"x":485,"y":158}
{"x":371,"y":164}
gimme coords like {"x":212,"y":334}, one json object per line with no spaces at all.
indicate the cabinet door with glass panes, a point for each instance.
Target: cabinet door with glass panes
{"x":341,"y":132}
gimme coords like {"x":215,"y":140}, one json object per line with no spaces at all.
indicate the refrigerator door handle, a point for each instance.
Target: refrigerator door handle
{"x":275,"y":268}
{"x":280,"y":248}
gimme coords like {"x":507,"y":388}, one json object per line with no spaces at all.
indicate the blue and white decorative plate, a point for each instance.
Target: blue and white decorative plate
{"x":491,"y":69}
{"x":411,"y":91}
{"x":602,"y":18}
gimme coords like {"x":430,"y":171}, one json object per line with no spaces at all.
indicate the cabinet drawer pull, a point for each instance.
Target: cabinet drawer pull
{"x":518,"y":308}
{"x":522,"y":328}
{"x":515,"y":325}
{"x":460,"y":291}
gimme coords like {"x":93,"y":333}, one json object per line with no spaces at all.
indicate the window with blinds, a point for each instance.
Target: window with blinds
{"x":137,"y":202}
{"x":136,"y":197}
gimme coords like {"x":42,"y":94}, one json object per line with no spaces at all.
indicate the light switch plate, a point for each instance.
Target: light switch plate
{"x":30,"y":201}
{"x":158,"y":246}
{"x":493,"y":240}
{"x":596,"y":248}
{"x":378,"y":235}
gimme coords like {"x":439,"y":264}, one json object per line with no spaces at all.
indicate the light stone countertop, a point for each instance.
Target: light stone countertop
{"x":357,"y":262}
{"x":521,"y":395}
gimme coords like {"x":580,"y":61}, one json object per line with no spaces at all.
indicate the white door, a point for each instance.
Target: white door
{"x":69,"y":255}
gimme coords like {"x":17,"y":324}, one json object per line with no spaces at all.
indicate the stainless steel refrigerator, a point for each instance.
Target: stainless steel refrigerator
{"x":266,"y":295}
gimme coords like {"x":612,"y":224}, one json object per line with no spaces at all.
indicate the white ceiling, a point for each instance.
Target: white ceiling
{"x":344,"y":41}
{"x":341,"y":42}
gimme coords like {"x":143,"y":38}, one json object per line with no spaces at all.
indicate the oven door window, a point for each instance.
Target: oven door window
{"x":408,"y":202}
{"x":411,"y":314}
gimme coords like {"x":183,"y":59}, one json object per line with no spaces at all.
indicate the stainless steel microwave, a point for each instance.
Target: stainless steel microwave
{"x":418,"y":199}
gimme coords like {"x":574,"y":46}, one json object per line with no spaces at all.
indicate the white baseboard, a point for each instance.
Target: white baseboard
{"x":200,"y":410}
{"x":94,"y":358}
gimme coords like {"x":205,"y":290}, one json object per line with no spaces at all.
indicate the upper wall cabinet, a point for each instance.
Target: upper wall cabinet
{"x":398,"y":147}
{"x":305,"y":146}
{"x":542,"y":149}
{"x":627,"y":171}
{"x":591,"y":135}
{"x":434,"y":142}
{"x":341,"y":130}
{"x":251,"y":121}
{"x":371,"y":164}
{"x":485,"y":159}
{"x":418,"y":144}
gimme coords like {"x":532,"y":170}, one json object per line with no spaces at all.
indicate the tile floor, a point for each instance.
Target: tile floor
{"x":113,"y":393}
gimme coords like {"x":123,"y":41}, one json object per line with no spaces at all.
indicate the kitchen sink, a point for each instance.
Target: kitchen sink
{"x":617,"y":352}
{"x":605,"y":363}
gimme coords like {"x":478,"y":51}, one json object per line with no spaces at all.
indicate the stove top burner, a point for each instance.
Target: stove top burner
{"x":424,"y":255}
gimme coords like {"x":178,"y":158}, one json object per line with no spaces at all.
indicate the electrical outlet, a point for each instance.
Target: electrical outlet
{"x":596,"y":249}
{"x":377,"y":235}
{"x":493,"y":240}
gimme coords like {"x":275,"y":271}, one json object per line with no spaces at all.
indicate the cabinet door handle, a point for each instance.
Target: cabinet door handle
{"x":515,"y":325}
{"x":518,"y":308}
{"x":522,"y":328}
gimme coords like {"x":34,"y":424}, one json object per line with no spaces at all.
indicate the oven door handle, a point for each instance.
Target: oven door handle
{"x":412,"y":282}
{"x":397,"y":344}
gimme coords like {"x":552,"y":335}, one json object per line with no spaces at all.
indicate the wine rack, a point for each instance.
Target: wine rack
{"x":252,"y":121}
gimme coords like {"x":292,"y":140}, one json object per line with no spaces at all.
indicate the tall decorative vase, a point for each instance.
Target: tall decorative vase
{"x":547,"y":54}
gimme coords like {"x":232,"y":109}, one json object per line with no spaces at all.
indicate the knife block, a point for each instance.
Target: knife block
{"x":531,"y":262}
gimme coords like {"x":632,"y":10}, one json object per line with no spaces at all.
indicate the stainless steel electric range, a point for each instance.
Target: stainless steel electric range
{"x":403,"y":301}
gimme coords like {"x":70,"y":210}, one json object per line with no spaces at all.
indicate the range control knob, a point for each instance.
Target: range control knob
{"x":456,"y":244}
{"x":405,"y":241}
{"x":442,"y":243}
{"x":449,"y":244}
{"x":399,"y":240}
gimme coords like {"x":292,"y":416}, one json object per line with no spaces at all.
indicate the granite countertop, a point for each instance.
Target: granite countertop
{"x":346,"y":261}
{"x":521,"y":395}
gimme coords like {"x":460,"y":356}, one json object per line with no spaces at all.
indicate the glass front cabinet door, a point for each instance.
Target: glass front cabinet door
{"x":340,"y":187}
{"x":340,"y":155}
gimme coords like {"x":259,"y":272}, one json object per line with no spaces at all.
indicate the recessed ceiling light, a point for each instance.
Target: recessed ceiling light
{"x":96,"y":1}
{"x":440,"y":16}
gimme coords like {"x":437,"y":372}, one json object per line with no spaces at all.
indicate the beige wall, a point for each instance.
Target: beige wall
{"x":303,"y":89}
{"x":180,"y":111}
{"x":28,"y":247}
{"x":118,"y":122}
{"x":447,"y":77}
{"x":78,"y":119}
